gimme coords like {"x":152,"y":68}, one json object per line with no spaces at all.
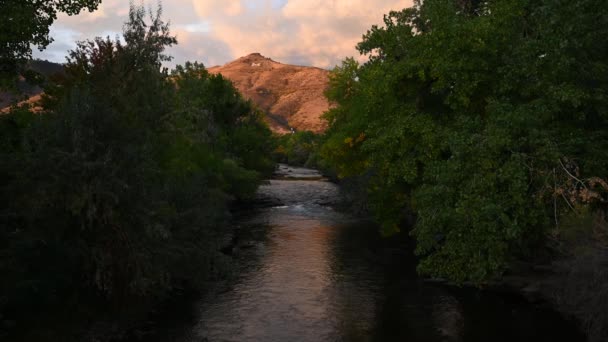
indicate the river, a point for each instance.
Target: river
{"x":305,"y":272}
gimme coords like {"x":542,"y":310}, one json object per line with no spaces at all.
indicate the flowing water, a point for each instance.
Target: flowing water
{"x":309,"y":273}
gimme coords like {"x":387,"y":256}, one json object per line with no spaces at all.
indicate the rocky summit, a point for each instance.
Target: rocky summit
{"x":292,"y":96}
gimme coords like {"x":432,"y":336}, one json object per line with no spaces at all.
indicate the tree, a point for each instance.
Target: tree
{"x":123,"y":185}
{"x":478,"y":116}
{"x":24,"y":23}
{"x":120,"y":191}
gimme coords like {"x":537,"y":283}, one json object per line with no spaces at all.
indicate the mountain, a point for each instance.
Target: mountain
{"x":26,"y":91}
{"x":292,"y":96}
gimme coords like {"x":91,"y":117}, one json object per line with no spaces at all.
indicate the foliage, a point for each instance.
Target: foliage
{"x":297,"y":149}
{"x":24,"y":23}
{"x":480,"y":116}
{"x":121,"y":186}
{"x":222,"y":119}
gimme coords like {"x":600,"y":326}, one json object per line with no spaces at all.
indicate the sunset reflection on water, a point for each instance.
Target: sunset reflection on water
{"x":308,"y":273}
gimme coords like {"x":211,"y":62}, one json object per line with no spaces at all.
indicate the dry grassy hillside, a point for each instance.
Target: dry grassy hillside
{"x":26,"y":93}
{"x":291,"y":95}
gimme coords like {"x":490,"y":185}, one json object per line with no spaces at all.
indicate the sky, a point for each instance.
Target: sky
{"x":317,"y":33}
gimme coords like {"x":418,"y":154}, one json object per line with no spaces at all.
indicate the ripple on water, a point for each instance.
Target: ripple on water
{"x":312,"y":275}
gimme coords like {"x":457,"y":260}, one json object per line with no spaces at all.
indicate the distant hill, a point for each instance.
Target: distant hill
{"x":292,"y":96}
{"x":45,"y":68}
{"x":27,"y":90}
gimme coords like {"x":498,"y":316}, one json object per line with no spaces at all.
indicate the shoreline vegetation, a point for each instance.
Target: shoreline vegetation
{"x":484,"y":124}
{"x":477,"y":131}
{"x":117,"y":193}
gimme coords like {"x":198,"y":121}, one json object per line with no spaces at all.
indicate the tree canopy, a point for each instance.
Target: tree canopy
{"x":488,"y":119}
{"x":24,"y":23}
{"x":118,"y":192}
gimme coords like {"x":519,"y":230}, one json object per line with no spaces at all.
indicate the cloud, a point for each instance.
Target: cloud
{"x":213,"y":7}
{"x":194,"y":46}
{"x":311,"y":32}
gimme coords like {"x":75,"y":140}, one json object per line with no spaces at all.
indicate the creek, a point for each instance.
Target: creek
{"x":306,"y":272}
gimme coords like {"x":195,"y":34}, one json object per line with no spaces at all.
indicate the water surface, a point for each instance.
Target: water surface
{"x":308,"y":273}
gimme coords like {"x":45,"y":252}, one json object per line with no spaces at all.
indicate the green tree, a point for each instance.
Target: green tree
{"x":219,"y":117}
{"x":24,"y":23}
{"x":478,"y":116}
{"x":297,"y":149}
{"x":119,"y":192}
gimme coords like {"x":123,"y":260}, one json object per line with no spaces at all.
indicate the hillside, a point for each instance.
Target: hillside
{"x":27,"y":92}
{"x":292,"y":96}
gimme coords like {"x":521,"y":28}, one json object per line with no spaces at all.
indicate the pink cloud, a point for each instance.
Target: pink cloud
{"x":314,"y":32}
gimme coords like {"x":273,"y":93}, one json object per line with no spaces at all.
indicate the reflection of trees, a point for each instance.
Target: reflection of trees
{"x":356,"y":287}
{"x":449,"y":318}
{"x":378,"y":296}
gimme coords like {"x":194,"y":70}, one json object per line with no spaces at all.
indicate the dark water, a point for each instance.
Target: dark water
{"x":308,"y":273}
